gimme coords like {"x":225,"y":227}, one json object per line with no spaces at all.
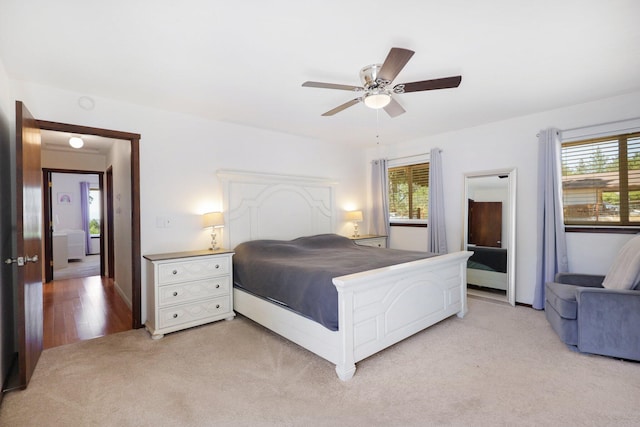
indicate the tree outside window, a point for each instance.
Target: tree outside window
{"x":94,"y":211}
{"x":409,"y":192}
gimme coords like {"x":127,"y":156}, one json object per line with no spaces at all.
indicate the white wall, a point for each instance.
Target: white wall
{"x":68,"y":216}
{"x":180,"y":154}
{"x":507,"y":144}
{"x":72,"y":160}
{"x":119,"y":159}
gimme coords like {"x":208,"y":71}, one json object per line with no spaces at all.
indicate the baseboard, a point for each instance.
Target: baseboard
{"x":123,"y":295}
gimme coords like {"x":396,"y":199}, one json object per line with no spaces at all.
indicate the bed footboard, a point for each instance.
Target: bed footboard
{"x":387,"y":305}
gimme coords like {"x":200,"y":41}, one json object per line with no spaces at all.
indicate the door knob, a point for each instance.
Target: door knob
{"x":19,"y":261}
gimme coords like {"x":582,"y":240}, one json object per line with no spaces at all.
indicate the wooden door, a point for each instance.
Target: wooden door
{"x":485,"y":223}
{"x":28,"y":208}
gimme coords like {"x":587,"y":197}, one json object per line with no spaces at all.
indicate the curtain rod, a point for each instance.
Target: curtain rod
{"x":601,"y":124}
{"x":597,"y":125}
{"x":413,"y":155}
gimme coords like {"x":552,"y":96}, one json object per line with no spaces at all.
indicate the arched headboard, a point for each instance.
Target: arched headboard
{"x":271,"y":206}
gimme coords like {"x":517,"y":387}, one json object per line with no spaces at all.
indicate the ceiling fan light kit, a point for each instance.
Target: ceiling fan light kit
{"x":377,"y":100}
{"x":376,"y":84}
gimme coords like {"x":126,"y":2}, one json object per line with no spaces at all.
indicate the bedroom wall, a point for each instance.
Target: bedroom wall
{"x":180,"y":154}
{"x":513,"y":143}
{"x":119,"y":159}
{"x":68,"y":216}
{"x":67,"y":160}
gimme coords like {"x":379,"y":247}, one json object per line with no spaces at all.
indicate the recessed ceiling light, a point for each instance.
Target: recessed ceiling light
{"x":86,"y":102}
{"x":76,"y":142}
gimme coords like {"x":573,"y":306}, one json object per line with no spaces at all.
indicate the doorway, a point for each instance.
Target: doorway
{"x":73,"y":210}
{"x":134,"y":189}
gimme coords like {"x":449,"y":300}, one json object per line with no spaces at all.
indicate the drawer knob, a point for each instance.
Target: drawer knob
{"x":217,"y":265}
{"x":175,"y":294}
{"x":175,"y":271}
{"x":175,"y":315}
{"x":217,"y":286}
{"x":217,"y":305}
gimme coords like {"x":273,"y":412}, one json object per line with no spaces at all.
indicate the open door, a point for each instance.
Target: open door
{"x":26,"y":260}
{"x":485,"y":223}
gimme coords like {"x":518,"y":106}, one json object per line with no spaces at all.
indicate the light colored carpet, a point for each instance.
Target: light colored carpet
{"x":497,"y":366}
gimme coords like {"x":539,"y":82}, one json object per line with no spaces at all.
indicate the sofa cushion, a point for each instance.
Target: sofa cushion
{"x":624,"y":273}
{"x":562,"y":298}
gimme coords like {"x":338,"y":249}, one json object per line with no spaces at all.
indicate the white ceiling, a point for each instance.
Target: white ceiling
{"x":244,"y":61}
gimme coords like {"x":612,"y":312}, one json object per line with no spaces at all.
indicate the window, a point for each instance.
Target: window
{"x":94,"y":211}
{"x":601,"y":181}
{"x":409,"y":193}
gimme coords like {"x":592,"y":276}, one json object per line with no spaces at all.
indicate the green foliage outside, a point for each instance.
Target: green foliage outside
{"x":94,"y":227}
{"x":399,"y":200}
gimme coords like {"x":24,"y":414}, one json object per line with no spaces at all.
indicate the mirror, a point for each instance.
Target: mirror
{"x":490,"y":232}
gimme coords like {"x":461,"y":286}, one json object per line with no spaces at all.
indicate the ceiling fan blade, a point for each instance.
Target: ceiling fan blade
{"x":443,"y":83}
{"x":394,"y":108}
{"x":332,"y":86}
{"x":342,"y":107}
{"x":395,"y":62}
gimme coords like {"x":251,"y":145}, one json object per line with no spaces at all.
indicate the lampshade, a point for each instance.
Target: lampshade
{"x":377,"y":100}
{"x":354,"y":216}
{"x":76,"y":142}
{"x":213,"y":219}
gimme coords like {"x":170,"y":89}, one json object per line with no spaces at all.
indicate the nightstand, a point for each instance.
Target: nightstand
{"x":187,"y":289}
{"x":370,"y":240}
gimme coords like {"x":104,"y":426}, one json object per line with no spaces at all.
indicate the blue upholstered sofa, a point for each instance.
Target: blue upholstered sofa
{"x":599,"y":314}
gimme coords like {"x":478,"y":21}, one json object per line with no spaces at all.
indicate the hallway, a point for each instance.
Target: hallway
{"x":82,"y":308}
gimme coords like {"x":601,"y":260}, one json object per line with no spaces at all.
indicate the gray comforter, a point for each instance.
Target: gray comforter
{"x":298,"y":273}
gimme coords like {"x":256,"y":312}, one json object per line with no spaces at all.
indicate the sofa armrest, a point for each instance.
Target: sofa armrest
{"x":589,"y":280}
{"x":609,"y":322}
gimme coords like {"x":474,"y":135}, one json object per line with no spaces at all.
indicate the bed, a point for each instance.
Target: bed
{"x":375,"y":308}
{"x":487,"y":267}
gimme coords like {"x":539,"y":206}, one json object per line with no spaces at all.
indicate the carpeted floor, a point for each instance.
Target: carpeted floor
{"x":497,"y":366}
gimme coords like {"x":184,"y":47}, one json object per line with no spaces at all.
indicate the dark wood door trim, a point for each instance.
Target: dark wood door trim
{"x":136,"y":261}
{"x":110,"y":224}
{"x":48,"y":228}
{"x":48,"y":224}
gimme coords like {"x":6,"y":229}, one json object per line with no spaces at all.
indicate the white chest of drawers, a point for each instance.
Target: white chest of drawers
{"x":188,"y":289}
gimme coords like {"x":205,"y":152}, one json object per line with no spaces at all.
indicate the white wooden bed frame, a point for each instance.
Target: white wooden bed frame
{"x":377,"y":308}
{"x":487,"y":279}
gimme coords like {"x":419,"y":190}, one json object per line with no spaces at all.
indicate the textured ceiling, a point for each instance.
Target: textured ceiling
{"x":244,"y":61}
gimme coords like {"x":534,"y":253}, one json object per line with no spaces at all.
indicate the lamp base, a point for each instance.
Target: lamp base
{"x":214,"y":244}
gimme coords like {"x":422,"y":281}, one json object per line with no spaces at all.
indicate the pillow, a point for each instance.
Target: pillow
{"x":625,"y":271}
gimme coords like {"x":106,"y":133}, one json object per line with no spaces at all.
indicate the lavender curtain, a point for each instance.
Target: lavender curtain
{"x":552,"y":245}
{"x":84,"y":213}
{"x":380,"y":198}
{"x":436,"y":230}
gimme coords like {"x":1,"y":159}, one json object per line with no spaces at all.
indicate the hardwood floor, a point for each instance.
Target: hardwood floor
{"x":82,"y":308}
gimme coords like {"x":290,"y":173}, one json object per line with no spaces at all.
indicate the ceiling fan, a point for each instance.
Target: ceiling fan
{"x":376,"y":84}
